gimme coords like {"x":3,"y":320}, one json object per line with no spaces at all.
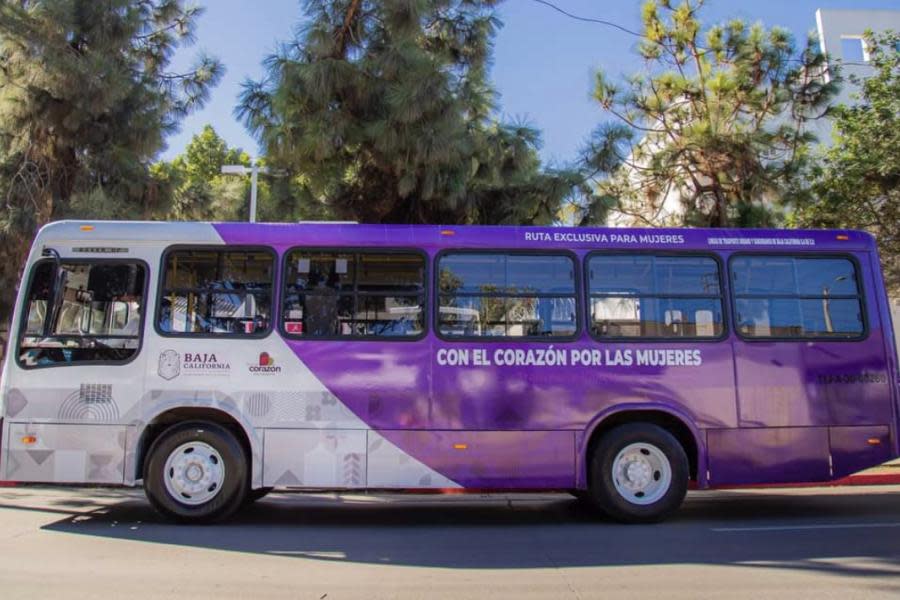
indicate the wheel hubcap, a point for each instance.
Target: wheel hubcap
{"x":641,"y":473}
{"x":194,"y":473}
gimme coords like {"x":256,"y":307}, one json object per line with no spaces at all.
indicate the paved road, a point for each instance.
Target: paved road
{"x":102,"y":543}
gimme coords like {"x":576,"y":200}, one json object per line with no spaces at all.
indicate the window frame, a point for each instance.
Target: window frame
{"x":723,"y":293}
{"x":579,"y":309}
{"x":20,"y":330}
{"x":161,"y":282}
{"x":857,"y":271}
{"x":355,"y":250}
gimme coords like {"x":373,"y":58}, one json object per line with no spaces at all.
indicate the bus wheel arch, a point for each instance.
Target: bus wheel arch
{"x":675,"y":424}
{"x":173,"y":416}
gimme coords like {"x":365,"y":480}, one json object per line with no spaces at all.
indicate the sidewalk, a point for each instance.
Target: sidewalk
{"x":888,"y":473}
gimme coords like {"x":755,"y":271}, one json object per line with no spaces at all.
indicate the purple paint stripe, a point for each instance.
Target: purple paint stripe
{"x":284,"y":235}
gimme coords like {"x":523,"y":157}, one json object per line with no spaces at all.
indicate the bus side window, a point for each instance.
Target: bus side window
{"x":84,"y":320}
{"x":798,"y":297}
{"x":216,"y":292}
{"x":655,"y":296}
{"x":506,"y":295}
{"x":365,"y":294}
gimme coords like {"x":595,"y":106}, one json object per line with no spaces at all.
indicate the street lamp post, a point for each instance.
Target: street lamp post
{"x":826,"y":304}
{"x":254,"y":170}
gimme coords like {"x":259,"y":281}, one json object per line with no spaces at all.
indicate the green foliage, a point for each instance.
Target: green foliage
{"x":713,"y":131}
{"x":858,"y":185}
{"x":384,"y":107}
{"x":86,"y":100}
{"x":198,"y":191}
{"x":205,"y":155}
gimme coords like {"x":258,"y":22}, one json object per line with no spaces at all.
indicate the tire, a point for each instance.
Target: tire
{"x":196,"y":473}
{"x":658,"y":468}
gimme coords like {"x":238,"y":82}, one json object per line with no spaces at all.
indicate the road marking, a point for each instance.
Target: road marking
{"x":309,"y":553}
{"x":805,"y":527}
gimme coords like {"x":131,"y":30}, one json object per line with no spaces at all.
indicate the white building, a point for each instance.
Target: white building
{"x":841,"y":39}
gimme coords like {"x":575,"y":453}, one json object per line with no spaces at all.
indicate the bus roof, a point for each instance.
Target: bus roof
{"x":454,"y":236}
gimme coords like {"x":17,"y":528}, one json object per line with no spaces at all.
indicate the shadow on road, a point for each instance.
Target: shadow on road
{"x":496,"y":533}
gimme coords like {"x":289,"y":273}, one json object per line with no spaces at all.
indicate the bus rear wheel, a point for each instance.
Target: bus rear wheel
{"x":638,"y":473}
{"x":196,"y":472}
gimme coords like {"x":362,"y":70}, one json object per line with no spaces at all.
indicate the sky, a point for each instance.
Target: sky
{"x":544,"y":62}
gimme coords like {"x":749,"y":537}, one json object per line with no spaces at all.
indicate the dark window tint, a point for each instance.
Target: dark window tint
{"x":82,"y":312}
{"x":506,"y":295}
{"x":540,"y":274}
{"x":649,"y":275}
{"x":354,"y":294}
{"x":686,"y":275}
{"x":506,"y":274}
{"x":621,"y":274}
{"x":641,"y":295}
{"x":391,"y":273}
{"x":773,"y":275}
{"x":216,"y":292}
{"x":796,"y":297}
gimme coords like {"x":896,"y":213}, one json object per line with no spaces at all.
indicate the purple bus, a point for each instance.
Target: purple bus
{"x":212,"y":362}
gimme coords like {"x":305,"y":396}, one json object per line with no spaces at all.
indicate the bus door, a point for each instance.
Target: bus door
{"x":74,"y":370}
{"x":811,"y":371}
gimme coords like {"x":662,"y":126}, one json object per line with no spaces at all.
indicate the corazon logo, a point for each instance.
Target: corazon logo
{"x":169,"y":365}
{"x":265,"y":364}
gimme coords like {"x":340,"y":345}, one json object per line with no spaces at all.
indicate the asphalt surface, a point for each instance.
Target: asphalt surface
{"x":802,"y":543}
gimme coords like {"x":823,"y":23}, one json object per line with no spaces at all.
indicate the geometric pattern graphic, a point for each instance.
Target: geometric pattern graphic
{"x":15,"y":402}
{"x":315,"y":458}
{"x":100,"y":467}
{"x":258,"y":404}
{"x":94,"y":393}
{"x":314,"y":439}
{"x":390,"y":467}
{"x":302,"y":409}
{"x":49,"y":396}
{"x":65,"y":453}
{"x":331,"y":458}
{"x":322,"y":443}
{"x":92,"y":402}
{"x":39,"y":456}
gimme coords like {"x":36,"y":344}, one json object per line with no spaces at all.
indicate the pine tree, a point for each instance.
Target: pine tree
{"x":86,"y":101}
{"x":718,"y":120}
{"x":383,"y":112}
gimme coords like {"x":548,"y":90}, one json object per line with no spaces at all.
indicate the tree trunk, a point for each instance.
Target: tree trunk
{"x":721,"y":213}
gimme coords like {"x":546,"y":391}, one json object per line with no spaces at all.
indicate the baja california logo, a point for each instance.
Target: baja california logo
{"x":169,"y":365}
{"x":205,"y":363}
{"x":266,"y":364}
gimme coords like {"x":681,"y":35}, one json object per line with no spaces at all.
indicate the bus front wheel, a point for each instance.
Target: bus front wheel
{"x":196,"y":472}
{"x":638,"y":473}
